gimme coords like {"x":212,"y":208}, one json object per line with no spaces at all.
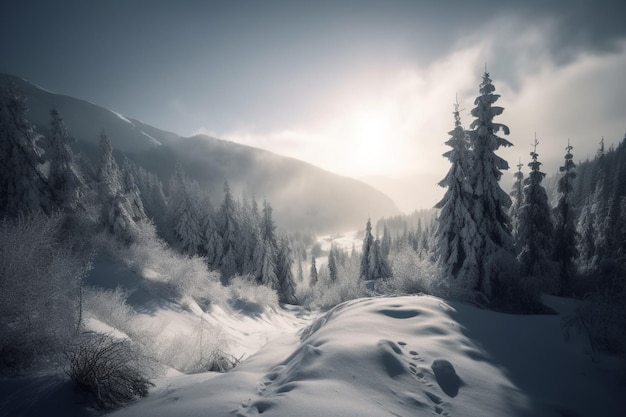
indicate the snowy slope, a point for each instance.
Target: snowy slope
{"x":85,"y":121}
{"x":405,"y":356}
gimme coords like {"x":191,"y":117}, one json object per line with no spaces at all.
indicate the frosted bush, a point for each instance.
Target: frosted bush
{"x":201,"y":350}
{"x":39,"y":289}
{"x":110,"y":307}
{"x":413,"y":274}
{"x":244,"y":288}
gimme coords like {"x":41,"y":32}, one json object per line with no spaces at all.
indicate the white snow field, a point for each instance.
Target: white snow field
{"x":405,"y":356}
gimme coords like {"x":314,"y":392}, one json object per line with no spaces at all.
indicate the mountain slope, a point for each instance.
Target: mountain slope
{"x":302,"y":195}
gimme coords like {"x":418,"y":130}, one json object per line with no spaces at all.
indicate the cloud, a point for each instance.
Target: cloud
{"x":395,"y":125}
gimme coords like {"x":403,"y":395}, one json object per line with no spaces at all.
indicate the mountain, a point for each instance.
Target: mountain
{"x":303,"y":196}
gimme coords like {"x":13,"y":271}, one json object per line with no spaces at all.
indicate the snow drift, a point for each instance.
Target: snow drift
{"x":403,"y":356}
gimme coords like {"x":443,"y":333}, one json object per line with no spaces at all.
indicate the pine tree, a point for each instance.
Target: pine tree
{"x":153,"y":198}
{"x":517,"y":195}
{"x":455,"y":225}
{"x":266,"y":271}
{"x":286,"y":285}
{"x":313,"y":273}
{"x":368,"y":242}
{"x":493,"y":244}
{"x":332,"y":263}
{"x":586,"y":235}
{"x":228,"y":226}
{"x":23,"y":187}
{"x":535,"y":227}
{"x":379,"y":267}
{"x":131,"y":191}
{"x":63,"y":178}
{"x":116,"y":211}
{"x":565,"y":230}
{"x":185,"y":213}
{"x":250,"y":225}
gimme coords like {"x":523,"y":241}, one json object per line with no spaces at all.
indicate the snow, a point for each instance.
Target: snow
{"x":343,"y":241}
{"x":123,"y":118}
{"x":403,"y":356}
{"x":154,"y":141}
{"x":384,"y":356}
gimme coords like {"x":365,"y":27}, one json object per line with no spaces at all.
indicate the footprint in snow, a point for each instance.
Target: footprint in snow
{"x":446,"y":377}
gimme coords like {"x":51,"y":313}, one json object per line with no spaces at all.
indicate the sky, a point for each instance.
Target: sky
{"x":361,"y":88}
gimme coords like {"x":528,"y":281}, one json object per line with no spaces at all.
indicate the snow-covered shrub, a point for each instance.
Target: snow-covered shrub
{"x":171,"y":273}
{"x":412,"y":273}
{"x":111,"y":371}
{"x":201,"y":350}
{"x":110,"y":307}
{"x":328,"y":293}
{"x":244,"y":288}
{"x":39,"y":289}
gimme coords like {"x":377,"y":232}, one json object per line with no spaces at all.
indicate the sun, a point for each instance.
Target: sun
{"x":370,"y":130}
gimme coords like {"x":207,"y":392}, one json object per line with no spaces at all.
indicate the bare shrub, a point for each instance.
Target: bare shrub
{"x":111,"y":371}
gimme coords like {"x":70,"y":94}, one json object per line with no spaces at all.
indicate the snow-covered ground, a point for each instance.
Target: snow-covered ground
{"x":405,"y":356}
{"x":387,"y":356}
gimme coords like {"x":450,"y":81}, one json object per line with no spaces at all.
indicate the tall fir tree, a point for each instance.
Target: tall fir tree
{"x":332,"y":263}
{"x":228,"y":226}
{"x":64,"y":180}
{"x":517,"y":195}
{"x":565,"y":251}
{"x":493,"y":243}
{"x":313,"y":273}
{"x":286,"y":286}
{"x":116,"y":211}
{"x":535,"y":227}
{"x":131,"y":191}
{"x":368,"y":242}
{"x":266,"y":269}
{"x":23,"y":187}
{"x":455,"y":227}
{"x":185,"y":213}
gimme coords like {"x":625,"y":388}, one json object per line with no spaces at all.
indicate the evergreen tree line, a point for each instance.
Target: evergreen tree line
{"x":237,"y":238}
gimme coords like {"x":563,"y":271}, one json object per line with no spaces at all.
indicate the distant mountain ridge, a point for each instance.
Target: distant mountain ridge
{"x":303,"y":196}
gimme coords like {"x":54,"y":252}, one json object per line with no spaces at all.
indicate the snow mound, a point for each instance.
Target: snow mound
{"x":402,"y":356}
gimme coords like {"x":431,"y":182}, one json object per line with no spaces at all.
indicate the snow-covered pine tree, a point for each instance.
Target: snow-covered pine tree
{"x":586,"y":235}
{"x":517,"y":195}
{"x":131,"y":191}
{"x":23,"y":187}
{"x":64,"y":180}
{"x":493,"y":244}
{"x":332,"y":263}
{"x":185,"y":213}
{"x":368,"y":242}
{"x":385,"y":242}
{"x":300,"y":272}
{"x":117,"y":214}
{"x":536,"y":230}
{"x":565,"y":229}
{"x":286,"y":285}
{"x":250,"y":223}
{"x":455,"y":227}
{"x":313,"y":273}
{"x":379,"y":267}
{"x":266,"y":271}
{"x":228,"y":226}
{"x":153,"y":198}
